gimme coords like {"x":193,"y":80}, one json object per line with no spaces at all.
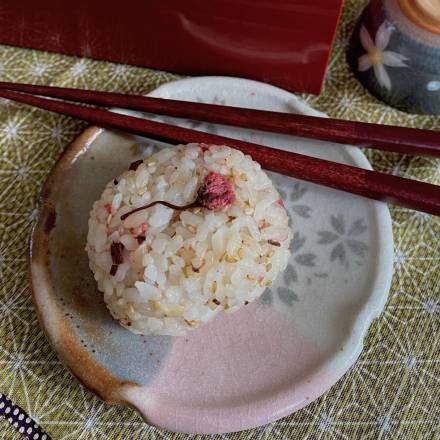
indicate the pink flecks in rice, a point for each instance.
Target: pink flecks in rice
{"x":204,"y":147}
{"x":166,"y":271}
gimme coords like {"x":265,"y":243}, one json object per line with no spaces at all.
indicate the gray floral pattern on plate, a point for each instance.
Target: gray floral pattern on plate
{"x":291,"y":276}
{"x":344,"y":240}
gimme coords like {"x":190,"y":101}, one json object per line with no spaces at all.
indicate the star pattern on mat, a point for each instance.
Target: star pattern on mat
{"x":392,"y":391}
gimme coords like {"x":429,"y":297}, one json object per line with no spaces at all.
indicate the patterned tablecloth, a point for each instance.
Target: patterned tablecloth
{"x":393,"y":391}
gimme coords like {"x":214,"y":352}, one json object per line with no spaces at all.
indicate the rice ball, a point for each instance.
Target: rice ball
{"x":218,"y":240}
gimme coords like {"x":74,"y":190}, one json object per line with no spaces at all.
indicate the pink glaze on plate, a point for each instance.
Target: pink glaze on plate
{"x":240,"y":366}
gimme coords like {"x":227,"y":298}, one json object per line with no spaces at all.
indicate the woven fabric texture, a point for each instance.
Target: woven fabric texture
{"x":393,"y":390}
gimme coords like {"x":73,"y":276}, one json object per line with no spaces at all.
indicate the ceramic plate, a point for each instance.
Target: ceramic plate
{"x":246,"y":368}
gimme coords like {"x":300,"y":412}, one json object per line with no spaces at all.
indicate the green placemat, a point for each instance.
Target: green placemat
{"x":393,"y":391}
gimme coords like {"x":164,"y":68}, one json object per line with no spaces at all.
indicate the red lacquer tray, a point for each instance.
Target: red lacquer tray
{"x":284,"y":42}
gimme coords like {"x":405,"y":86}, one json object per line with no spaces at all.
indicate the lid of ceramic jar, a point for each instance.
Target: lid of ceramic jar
{"x":424,"y":13}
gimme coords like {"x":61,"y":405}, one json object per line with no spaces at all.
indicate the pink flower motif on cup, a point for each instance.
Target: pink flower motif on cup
{"x":377,"y":57}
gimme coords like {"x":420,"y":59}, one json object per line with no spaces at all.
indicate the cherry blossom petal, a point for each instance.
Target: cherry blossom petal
{"x":382,"y":76}
{"x":364,"y":63}
{"x":366,"y":40}
{"x":393,"y":59}
{"x":383,"y":36}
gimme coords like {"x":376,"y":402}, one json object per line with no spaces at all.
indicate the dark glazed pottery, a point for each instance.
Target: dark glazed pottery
{"x":397,"y":59}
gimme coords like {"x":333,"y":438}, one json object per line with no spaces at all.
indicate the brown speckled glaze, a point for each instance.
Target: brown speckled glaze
{"x":68,"y":305}
{"x":82,"y":365}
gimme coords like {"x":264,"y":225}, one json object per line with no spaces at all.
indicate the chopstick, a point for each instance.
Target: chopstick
{"x":379,"y":186}
{"x":383,"y":137}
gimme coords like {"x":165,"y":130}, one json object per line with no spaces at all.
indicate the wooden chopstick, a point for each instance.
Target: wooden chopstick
{"x":379,"y":186}
{"x":383,"y":137}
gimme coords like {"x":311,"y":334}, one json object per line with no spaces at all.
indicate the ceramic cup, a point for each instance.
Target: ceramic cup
{"x":395,"y":53}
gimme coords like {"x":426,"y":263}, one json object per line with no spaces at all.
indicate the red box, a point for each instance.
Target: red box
{"x":284,"y":42}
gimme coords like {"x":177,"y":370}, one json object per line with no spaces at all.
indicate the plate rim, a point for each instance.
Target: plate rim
{"x":39,"y":273}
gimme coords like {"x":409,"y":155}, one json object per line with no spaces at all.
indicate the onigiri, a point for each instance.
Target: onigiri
{"x":186,"y":233}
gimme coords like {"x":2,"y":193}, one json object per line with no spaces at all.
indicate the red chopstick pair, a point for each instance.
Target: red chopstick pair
{"x":379,"y":186}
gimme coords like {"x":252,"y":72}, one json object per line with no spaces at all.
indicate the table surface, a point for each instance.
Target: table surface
{"x":393,"y":390}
